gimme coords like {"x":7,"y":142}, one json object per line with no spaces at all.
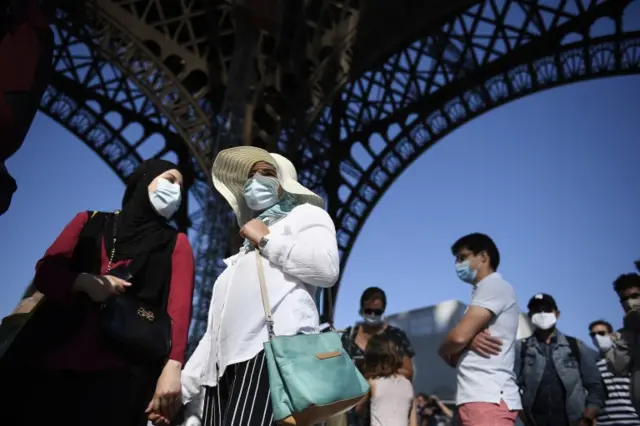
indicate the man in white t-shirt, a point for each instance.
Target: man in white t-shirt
{"x":482,"y":344}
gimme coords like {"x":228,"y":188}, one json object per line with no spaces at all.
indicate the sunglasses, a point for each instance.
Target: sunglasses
{"x":599,"y":333}
{"x":373,"y":311}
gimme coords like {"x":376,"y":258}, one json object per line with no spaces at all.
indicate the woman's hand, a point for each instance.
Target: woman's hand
{"x":166,"y":400}
{"x":100,"y":288}
{"x":254,"y":230}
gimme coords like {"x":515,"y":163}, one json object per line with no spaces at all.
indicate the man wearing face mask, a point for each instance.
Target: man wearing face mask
{"x":618,"y":409}
{"x":487,"y":394}
{"x":624,"y":354}
{"x":559,"y":380}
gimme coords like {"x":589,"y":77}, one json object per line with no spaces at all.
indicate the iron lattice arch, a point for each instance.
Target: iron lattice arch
{"x":355,"y":139}
{"x":483,"y":57}
{"x":102,"y":102}
{"x":162,"y":67}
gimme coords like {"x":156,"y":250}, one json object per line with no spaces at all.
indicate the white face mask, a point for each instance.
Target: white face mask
{"x":372,"y":320}
{"x":631,"y":304}
{"x":261,"y":192}
{"x":166,"y":198}
{"x":544,"y":320}
{"x":602,"y":342}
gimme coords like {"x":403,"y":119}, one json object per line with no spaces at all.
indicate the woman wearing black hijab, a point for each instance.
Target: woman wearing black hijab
{"x":81,"y":375}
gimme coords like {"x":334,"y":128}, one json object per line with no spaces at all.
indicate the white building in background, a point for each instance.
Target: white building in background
{"x":426,"y":328}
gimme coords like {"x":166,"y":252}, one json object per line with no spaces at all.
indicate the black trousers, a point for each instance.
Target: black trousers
{"x":103,"y":398}
{"x":242,"y":396}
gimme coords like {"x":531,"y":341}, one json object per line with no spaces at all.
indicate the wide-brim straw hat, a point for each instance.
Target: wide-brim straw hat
{"x":231,"y":170}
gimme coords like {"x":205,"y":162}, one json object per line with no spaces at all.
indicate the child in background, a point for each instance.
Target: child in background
{"x":391,"y":395}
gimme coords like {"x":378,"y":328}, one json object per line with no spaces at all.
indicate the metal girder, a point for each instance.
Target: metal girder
{"x":212,"y":243}
{"x":492,"y":53}
{"x":165,"y":64}
{"x":177,"y":33}
{"x":138,"y":63}
{"x":91,"y":99}
{"x":83,"y":72}
{"x":155,"y":63}
{"x":92,"y":128}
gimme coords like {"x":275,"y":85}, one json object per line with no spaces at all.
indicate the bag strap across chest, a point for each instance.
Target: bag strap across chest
{"x":265,"y":295}
{"x":87,"y":253}
{"x":267,"y":305}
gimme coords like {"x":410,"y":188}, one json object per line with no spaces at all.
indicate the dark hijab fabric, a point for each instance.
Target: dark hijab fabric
{"x":146,"y":238}
{"x":143,"y":236}
{"x":140,"y":229}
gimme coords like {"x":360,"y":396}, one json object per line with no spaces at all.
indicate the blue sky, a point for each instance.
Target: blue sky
{"x":553,"y":178}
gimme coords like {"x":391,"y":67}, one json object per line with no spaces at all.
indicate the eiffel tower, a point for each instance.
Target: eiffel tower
{"x":352,"y":91}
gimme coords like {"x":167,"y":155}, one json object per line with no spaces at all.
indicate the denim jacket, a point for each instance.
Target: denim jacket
{"x":583,"y":386}
{"x":624,"y":356}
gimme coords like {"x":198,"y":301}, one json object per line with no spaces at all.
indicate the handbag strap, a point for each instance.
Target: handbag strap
{"x":265,"y":295}
{"x":330,"y":306}
{"x":267,"y":305}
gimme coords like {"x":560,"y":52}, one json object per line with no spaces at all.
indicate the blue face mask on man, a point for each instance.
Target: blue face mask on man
{"x":465,"y":272}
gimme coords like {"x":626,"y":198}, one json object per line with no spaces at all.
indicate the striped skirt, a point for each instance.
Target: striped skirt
{"x":242,"y":396}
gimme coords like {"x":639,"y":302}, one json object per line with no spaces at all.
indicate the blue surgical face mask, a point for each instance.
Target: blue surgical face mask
{"x":465,"y":272}
{"x":166,"y":198}
{"x":261,"y":192}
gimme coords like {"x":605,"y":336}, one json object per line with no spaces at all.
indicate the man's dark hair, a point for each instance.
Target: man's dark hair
{"x":601,"y":322}
{"x":477,"y":243}
{"x":373,"y":293}
{"x":625,"y":282}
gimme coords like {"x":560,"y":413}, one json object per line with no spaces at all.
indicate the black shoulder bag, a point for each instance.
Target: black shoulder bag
{"x":140,"y":330}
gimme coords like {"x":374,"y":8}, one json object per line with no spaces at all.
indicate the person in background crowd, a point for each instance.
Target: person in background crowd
{"x":432,"y":412}
{"x":82,"y":377}
{"x":560,"y":382}
{"x":373,"y":303}
{"x":617,"y":409}
{"x":391,"y":394}
{"x":624,"y":354}
{"x":284,"y":223}
{"x":487,"y":394}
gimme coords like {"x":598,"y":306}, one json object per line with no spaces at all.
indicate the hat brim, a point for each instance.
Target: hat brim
{"x":231,"y":170}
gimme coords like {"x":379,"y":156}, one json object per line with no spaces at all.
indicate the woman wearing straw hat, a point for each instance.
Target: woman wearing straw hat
{"x":286,"y":223}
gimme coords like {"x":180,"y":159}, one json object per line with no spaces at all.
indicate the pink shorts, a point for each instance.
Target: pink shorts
{"x":486,"y":414}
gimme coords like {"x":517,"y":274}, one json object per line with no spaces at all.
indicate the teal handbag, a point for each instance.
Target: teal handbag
{"x":311,"y":376}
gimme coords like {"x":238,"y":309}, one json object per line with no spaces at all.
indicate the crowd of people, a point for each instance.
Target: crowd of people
{"x":548,"y":378}
{"x":101,"y":337}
